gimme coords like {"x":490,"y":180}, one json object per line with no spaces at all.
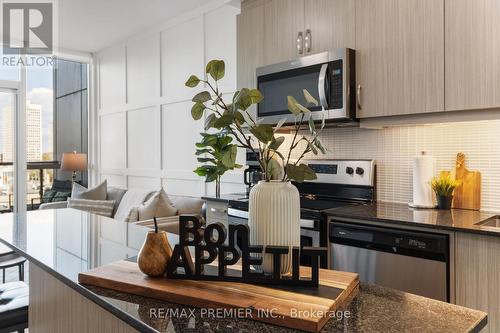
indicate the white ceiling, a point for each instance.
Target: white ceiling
{"x":91,"y":25}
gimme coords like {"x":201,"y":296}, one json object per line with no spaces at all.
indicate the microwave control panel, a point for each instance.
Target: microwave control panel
{"x":337,"y":84}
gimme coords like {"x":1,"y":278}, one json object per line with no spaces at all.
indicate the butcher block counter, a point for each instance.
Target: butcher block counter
{"x":62,"y":243}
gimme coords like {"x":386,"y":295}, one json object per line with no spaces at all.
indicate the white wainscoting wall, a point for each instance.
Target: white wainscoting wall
{"x":146,"y":133}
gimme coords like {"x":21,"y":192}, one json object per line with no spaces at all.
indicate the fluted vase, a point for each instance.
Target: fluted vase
{"x":274,"y":219}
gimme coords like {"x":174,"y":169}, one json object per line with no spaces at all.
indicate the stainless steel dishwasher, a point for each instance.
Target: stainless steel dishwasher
{"x":411,"y":261}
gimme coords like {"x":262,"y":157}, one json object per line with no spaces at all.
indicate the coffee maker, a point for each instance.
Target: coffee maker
{"x":253,"y":174}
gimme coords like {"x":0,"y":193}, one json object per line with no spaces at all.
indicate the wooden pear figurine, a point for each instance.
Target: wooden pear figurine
{"x":155,"y":253}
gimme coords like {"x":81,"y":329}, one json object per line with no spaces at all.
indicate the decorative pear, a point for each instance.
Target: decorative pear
{"x":155,"y":253}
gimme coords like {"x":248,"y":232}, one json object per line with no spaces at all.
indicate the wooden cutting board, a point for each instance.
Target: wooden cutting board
{"x":467,"y":195}
{"x":291,"y":307}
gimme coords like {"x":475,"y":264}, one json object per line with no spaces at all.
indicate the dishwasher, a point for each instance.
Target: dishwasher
{"x":411,"y":261}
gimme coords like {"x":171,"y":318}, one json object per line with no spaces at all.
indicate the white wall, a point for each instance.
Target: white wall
{"x":146,"y":133}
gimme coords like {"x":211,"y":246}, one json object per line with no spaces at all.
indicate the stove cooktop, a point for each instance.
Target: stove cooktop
{"x":320,"y":205}
{"x":311,"y":204}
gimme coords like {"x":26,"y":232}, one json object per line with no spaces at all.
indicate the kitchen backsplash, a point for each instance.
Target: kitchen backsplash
{"x":393,"y":150}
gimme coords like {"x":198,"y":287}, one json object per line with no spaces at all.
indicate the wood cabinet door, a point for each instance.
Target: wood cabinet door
{"x":477,"y":276}
{"x":250,"y":42}
{"x":399,"y":56}
{"x":472,"y":54}
{"x":250,"y":45}
{"x":331,"y":23}
{"x":283,"y":20}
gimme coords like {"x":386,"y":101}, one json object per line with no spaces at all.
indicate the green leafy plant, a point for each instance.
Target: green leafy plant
{"x":444,"y":185}
{"x":220,"y":152}
{"x":235,"y":120}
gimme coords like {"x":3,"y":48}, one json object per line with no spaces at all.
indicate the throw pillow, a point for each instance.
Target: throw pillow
{"x":48,"y":196}
{"x":116,"y":194}
{"x":98,"y":207}
{"x":60,"y":196}
{"x":159,"y":205}
{"x":97,"y":193}
{"x":133,"y":215}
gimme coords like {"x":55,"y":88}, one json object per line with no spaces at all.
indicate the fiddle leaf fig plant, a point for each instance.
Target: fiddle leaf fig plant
{"x":233,"y":121}
{"x":221,"y":155}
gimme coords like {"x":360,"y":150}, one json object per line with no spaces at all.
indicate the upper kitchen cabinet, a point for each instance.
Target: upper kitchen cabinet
{"x":472,"y":30}
{"x":250,"y":42}
{"x":329,"y":24}
{"x":283,"y":30}
{"x":399,"y":57}
{"x":271,"y":31}
{"x":296,"y":28}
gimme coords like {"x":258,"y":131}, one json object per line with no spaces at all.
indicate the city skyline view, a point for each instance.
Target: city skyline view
{"x":39,"y":94}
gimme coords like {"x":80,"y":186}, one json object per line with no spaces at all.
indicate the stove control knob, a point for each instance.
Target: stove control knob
{"x":360,"y":171}
{"x":349,"y":170}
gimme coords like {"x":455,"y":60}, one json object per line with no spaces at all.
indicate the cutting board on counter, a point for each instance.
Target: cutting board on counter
{"x":467,"y":195}
{"x":291,"y":307}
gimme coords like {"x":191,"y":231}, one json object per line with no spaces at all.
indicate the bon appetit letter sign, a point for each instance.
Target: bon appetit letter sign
{"x":209,"y":246}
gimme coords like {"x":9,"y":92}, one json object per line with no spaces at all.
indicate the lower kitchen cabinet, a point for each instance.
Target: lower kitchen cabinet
{"x":477,"y":277}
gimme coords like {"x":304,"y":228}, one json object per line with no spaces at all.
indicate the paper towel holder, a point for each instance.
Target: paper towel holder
{"x":412,"y":205}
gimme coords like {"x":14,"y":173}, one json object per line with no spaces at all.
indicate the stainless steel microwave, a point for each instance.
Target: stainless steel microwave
{"x":329,"y":77}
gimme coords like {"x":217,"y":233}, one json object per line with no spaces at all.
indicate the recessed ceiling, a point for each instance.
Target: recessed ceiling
{"x":91,"y":25}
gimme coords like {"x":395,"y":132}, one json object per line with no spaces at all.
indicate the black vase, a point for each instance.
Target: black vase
{"x":444,"y":202}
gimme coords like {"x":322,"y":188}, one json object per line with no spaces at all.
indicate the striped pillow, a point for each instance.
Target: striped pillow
{"x":98,"y":207}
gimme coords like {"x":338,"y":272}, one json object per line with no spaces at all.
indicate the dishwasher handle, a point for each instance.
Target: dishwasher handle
{"x":397,"y":241}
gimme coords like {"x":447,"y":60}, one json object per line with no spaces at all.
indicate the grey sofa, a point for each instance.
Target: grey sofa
{"x":126,"y":199}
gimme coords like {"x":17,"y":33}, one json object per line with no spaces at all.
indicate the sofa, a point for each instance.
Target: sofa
{"x":126,"y":200}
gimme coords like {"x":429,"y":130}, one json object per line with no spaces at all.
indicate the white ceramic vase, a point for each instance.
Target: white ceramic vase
{"x":274,"y":219}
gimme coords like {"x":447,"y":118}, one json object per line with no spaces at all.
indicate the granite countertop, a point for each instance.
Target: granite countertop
{"x":65,"y":242}
{"x":226,"y":198}
{"x":401,"y":214}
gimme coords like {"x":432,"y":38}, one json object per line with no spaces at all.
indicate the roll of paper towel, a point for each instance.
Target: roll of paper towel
{"x":423,"y":171}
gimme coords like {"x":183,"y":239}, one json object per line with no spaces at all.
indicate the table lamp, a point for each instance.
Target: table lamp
{"x":74,"y":162}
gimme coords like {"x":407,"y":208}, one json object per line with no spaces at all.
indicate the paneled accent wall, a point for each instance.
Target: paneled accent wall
{"x":146,"y":133}
{"x":393,"y":149}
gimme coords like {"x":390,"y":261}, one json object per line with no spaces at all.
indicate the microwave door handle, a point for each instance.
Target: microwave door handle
{"x":322,"y":86}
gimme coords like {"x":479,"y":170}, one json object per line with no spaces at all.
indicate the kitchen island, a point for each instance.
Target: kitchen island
{"x":62,"y":243}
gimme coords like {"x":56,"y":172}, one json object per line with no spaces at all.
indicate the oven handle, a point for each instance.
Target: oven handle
{"x":237,"y":213}
{"x":322,"y":86}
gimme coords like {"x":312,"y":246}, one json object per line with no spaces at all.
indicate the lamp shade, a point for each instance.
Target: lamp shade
{"x":74,"y":161}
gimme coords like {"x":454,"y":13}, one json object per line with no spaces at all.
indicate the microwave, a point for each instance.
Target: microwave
{"x":329,"y":77}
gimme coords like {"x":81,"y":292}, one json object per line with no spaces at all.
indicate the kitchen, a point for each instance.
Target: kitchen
{"x":371,"y":194}
{"x":408,"y":97}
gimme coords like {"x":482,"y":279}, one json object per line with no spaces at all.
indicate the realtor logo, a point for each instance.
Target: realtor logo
{"x":27,"y":27}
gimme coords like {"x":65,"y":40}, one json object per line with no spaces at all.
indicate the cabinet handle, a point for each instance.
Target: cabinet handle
{"x":358,"y":96}
{"x":308,"y":40}
{"x":300,"y":43}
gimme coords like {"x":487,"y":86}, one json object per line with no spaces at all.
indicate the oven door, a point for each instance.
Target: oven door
{"x":277,"y":82}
